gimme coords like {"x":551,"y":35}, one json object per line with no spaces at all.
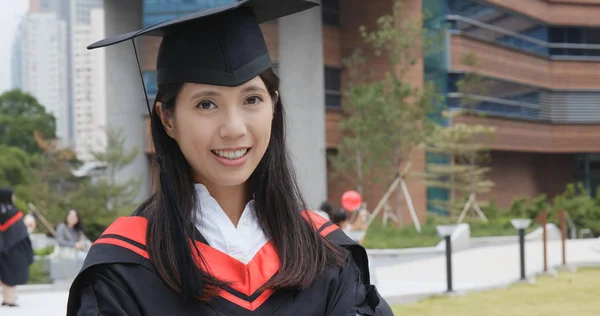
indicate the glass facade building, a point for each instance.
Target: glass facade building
{"x":485,"y":22}
{"x":507,"y":29}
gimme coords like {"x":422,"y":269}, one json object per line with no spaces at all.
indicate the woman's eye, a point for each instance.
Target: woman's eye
{"x":206,"y":105}
{"x":253,"y":100}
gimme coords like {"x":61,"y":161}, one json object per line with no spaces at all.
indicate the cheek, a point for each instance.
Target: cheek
{"x":262,"y":129}
{"x":193,"y":139}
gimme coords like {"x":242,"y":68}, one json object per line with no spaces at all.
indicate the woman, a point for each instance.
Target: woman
{"x":70,"y":234}
{"x":225,"y":233}
{"x":16,"y":253}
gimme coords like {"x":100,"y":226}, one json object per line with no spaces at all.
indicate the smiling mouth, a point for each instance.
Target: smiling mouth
{"x":231,"y":154}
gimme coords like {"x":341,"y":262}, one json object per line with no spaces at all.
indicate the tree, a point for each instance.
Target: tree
{"x":14,"y":166}
{"x":52,"y":181}
{"x":465,"y":147}
{"x":20,"y":116}
{"x":386,"y":118}
{"x":101,"y":198}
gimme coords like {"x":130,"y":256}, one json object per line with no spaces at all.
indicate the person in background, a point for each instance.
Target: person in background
{"x":16,"y":252}
{"x":70,"y":234}
{"x":30,"y":223}
{"x":324,"y":210}
{"x":339,"y":217}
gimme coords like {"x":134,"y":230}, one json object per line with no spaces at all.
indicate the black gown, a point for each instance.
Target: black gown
{"x":16,"y":252}
{"x":118,"y":279}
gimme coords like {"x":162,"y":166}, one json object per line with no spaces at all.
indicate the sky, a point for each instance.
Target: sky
{"x":10,"y":16}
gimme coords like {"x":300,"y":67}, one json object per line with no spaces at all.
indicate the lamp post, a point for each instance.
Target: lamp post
{"x":445,"y":231}
{"x":521,"y":225}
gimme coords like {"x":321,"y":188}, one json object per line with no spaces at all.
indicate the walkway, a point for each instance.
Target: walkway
{"x":479,"y":268}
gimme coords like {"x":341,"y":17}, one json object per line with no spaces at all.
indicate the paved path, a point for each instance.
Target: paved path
{"x":47,"y":303}
{"x":478,"y":268}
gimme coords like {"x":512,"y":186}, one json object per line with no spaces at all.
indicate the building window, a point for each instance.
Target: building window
{"x":333,"y":95}
{"x":331,"y":12}
{"x":150,"y":82}
{"x":500,"y":98}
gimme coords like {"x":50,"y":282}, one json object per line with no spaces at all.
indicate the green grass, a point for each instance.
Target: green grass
{"x":38,"y":274}
{"x":389,"y":236}
{"x":44,"y":251}
{"x":568,"y":294}
{"x":381,"y":237}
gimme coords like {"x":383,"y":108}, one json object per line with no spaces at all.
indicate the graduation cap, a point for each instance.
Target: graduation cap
{"x":218,"y":46}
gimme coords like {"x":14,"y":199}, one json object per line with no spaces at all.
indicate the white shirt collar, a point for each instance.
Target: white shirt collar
{"x":241,"y":242}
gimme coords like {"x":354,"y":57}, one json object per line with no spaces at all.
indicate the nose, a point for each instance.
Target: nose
{"x":234,"y":124}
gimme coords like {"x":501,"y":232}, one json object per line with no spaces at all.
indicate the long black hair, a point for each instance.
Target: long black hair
{"x":303,"y":253}
{"x":79,"y":226}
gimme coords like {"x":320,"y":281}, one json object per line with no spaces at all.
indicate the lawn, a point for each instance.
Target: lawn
{"x":381,"y":237}
{"x":568,"y":294}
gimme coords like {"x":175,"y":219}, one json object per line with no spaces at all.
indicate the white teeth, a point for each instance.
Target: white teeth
{"x":231,"y":154}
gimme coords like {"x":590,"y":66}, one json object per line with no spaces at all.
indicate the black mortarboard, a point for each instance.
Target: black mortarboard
{"x":220,"y":46}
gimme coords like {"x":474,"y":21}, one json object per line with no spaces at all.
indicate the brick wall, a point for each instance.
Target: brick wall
{"x":520,"y":174}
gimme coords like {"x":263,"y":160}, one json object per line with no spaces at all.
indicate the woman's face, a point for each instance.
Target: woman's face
{"x":72,"y":218}
{"x":223,"y":132}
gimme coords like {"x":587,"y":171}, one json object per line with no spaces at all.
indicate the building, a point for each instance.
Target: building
{"x":50,"y":61}
{"x":89,"y":113}
{"x":541,"y":56}
{"x":15,"y":63}
{"x":41,"y":69}
{"x":542,"y":59}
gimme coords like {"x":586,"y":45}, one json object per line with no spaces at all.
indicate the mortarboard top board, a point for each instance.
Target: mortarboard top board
{"x":218,"y":46}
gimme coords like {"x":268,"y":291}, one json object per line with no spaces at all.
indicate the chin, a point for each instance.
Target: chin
{"x":231,"y":179}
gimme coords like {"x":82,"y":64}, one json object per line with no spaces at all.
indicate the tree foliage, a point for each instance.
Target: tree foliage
{"x":20,"y":116}
{"x":465,"y":147}
{"x":103,"y":197}
{"x":385,"y":117}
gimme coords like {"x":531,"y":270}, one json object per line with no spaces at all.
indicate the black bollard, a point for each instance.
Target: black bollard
{"x":449,"y":263}
{"x":522,"y":252}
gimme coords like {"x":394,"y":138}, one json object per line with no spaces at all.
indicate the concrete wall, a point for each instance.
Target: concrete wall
{"x":302,"y":90}
{"x":125,"y":95}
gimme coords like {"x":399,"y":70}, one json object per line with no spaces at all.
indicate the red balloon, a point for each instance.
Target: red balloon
{"x":351,"y":200}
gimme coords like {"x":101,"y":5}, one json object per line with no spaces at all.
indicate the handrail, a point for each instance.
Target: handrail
{"x":454,"y":17}
{"x":497,"y":100}
{"x":571,"y":225}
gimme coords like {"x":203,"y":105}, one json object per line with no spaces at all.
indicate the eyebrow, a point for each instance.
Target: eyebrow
{"x":254,"y":88}
{"x":212,"y":93}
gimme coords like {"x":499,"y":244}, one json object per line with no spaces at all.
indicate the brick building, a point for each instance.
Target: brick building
{"x":542,"y":56}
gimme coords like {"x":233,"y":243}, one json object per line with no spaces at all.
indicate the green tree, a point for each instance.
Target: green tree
{"x":466,"y":147}
{"x":14,"y":166}
{"x":386,"y":118}
{"x":52,"y":181}
{"x":20,"y":116}
{"x":101,"y":197}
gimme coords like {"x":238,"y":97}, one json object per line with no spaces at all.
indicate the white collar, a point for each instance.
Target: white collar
{"x":241,"y":242}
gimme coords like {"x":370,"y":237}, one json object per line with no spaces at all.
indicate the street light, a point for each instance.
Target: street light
{"x":521,"y":224}
{"x":445,"y":231}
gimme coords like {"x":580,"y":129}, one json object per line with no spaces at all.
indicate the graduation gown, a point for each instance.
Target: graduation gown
{"x":118,"y":279}
{"x":16,"y":252}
